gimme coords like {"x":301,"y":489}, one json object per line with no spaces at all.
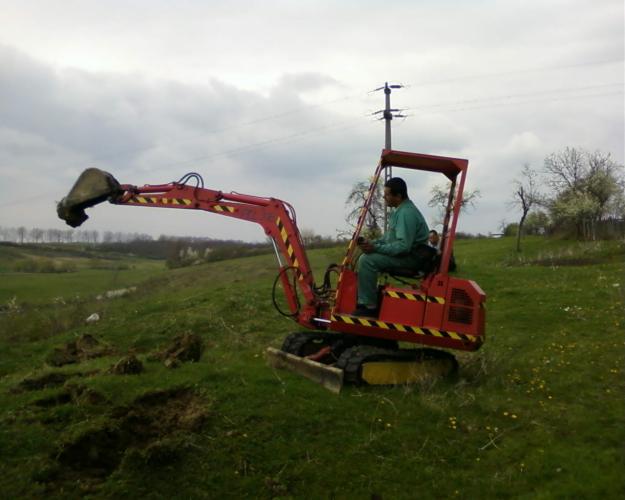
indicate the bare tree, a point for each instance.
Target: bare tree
{"x":5,"y":233}
{"x":36,"y":234}
{"x":526,"y":195}
{"x":21,"y":234}
{"x":50,"y":235}
{"x":374,"y":218}
{"x":308,"y":236}
{"x":503,"y":223}
{"x":440,"y":197}
{"x":566,"y":170}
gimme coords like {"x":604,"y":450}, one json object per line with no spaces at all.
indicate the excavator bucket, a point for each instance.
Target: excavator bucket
{"x":329,"y":377}
{"x":92,"y":187}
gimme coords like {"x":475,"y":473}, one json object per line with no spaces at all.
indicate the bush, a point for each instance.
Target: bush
{"x":43,"y":265}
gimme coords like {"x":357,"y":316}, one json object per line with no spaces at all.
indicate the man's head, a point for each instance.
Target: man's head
{"x":433,"y":237}
{"x":395,"y":191}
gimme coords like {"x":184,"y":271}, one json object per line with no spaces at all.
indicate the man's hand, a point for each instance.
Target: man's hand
{"x":366,"y":247}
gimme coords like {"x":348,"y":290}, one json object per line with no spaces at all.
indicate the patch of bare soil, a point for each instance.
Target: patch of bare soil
{"x":128,"y":365}
{"x":183,"y":348}
{"x":147,"y":426}
{"x":84,"y":347}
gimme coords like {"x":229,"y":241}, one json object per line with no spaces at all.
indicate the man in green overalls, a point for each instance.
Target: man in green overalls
{"x":397,"y":249}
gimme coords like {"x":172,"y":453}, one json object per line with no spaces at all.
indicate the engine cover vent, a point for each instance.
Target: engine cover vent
{"x":460,"y":297}
{"x":462,"y":315}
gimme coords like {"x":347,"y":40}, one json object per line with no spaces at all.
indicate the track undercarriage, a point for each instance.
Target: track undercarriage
{"x":334,"y":359}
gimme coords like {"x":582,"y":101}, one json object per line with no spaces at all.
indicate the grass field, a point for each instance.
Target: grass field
{"x":92,"y":273}
{"x":538,"y":412}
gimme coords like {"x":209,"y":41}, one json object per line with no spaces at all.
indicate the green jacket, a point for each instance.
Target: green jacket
{"x":407,"y":230}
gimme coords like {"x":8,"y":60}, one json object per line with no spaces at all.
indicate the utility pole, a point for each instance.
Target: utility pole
{"x":387,"y":116}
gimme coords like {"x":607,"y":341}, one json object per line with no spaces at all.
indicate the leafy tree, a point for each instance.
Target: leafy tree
{"x":537,"y":223}
{"x":586,"y":189}
{"x":511,"y":229}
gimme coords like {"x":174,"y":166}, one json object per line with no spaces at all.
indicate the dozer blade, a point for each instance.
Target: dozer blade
{"x":329,"y":377}
{"x":92,"y":187}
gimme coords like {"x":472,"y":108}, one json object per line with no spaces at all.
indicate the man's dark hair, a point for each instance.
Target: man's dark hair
{"x":397,"y":186}
{"x":433,"y":231}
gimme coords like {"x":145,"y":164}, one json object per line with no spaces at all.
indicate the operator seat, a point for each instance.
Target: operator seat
{"x":431,"y":260}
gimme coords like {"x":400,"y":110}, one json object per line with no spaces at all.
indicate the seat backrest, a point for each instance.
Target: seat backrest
{"x":429,"y":258}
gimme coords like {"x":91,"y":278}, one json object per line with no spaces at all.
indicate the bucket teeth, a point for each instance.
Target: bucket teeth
{"x":92,"y":187}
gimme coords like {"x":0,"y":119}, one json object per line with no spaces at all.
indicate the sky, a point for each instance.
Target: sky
{"x":274,"y":98}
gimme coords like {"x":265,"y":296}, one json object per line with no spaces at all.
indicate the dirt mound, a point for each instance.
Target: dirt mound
{"x":72,"y":393}
{"x":128,"y":365}
{"x":183,"y":348}
{"x":84,"y":347}
{"x":48,"y":380}
{"x":153,"y":426}
{"x":44,"y":382}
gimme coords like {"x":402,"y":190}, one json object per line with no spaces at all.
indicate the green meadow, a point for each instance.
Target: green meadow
{"x":537,"y":412}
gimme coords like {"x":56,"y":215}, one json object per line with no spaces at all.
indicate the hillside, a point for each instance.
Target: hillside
{"x":537,"y":412}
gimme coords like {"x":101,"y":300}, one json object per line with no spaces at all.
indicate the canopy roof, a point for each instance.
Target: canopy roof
{"x":450,"y":167}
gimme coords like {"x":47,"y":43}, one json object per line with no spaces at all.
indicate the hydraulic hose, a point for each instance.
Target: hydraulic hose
{"x":294,"y":286}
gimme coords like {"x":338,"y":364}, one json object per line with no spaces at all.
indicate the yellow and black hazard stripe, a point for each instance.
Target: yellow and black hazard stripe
{"x":430,"y":332}
{"x":419,"y":297}
{"x":223,"y":208}
{"x":289,"y":248}
{"x":151,"y":200}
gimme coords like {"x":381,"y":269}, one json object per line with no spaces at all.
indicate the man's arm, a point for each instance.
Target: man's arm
{"x":405,"y":233}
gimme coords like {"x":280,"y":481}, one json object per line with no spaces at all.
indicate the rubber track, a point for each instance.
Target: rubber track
{"x":352,"y":359}
{"x":305,"y":343}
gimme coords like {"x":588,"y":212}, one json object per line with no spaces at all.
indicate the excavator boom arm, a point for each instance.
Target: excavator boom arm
{"x":275,"y":216}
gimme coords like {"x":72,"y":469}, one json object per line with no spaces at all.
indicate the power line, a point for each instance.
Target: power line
{"x":548,"y":99}
{"x":363,"y":93}
{"x":239,"y":125}
{"x":292,"y":137}
{"x":515,"y":72}
{"x":514,"y":96}
{"x":276,"y":140}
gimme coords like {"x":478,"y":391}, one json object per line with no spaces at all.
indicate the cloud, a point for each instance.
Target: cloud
{"x":273,"y":98}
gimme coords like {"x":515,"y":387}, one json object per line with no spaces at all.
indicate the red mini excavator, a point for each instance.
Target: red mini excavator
{"x":432,"y":309}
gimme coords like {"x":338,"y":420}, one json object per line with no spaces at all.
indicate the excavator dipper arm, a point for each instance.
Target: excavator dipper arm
{"x":275,"y":216}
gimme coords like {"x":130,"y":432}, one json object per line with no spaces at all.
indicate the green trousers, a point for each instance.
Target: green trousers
{"x":369,"y":265}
